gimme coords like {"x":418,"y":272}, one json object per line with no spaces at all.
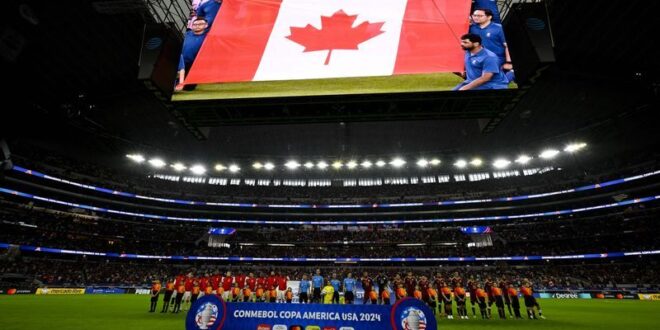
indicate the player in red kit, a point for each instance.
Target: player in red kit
{"x":227,"y":283}
{"x":281,"y":287}
{"x":271,"y":281}
{"x":368,"y":286}
{"x":240,"y":280}
{"x":251,"y":282}
{"x":410,"y":283}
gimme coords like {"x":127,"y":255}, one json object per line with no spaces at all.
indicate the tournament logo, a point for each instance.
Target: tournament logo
{"x":206,"y":315}
{"x":412,"y":314}
{"x":413,"y":318}
{"x":208,"y":312}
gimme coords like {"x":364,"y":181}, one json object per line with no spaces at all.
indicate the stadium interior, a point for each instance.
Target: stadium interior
{"x":105,"y":182}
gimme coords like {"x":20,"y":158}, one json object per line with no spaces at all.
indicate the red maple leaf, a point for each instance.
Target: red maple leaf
{"x":337,"y":32}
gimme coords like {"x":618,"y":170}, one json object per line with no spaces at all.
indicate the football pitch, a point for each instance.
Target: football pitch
{"x":331,"y":86}
{"x":127,"y":312}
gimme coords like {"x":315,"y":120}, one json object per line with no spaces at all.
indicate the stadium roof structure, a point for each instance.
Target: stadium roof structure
{"x":80,"y":60}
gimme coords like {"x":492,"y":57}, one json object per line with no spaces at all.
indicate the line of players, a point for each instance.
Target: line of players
{"x":439,"y":293}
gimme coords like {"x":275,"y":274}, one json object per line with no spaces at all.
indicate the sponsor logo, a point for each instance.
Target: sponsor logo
{"x":312,"y":327}
{"x":142,"y":291}
{"x":649,"y":296}
{"x":264,"y":327}
{"x":329,"y":328}
{"x":565,"y":296}
{"x":346,"y":328}
{"x":412,"y":318}
{"x":206,"y":315}
{"x":60,"y":291}
{"x":280,"y":327}
{"x":296,"y":327}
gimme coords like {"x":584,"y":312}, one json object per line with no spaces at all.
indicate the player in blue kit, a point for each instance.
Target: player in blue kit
{"x":490,"y":5}
{"x":482,"y":69}
{"x":492,"y":34}
{"x":304,"y":290}
{"x":209,"y":10}
{"x":349,"y":285}
{"x":192,"y":42}
{"x":317,"y":283}
{"x":336,"y":284}
{"x":492,"y":38}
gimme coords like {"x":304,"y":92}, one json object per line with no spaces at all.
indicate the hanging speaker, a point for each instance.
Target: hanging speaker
{"x":159,"y":56}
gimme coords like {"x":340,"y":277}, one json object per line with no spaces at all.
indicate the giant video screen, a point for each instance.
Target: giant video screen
{"x":280,"y":48}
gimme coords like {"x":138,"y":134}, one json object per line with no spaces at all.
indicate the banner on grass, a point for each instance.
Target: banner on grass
{"x":211,"y":312}
{"x":310,"y":39}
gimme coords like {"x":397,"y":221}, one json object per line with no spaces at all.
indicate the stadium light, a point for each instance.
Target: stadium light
{"x":549,"y":153}
{"x":397,"y":162}
{"x":380,"y":163}
{"x":220,"y":167}
{"x":257,"y":166}
{"x":501,"y":163}
{"x":337,"y":165}
{"x":322,"y":165}
{"x":476,"y":162}
{"x":269,"y":166}
{"x":435,"y":162}
{"x":366,"y":164}
{"x":461,"y":163}
{"x":309,"y":165}
{"x":157,"y":162}
{"x":136,"y":158}
{"x":292,"y":164}
{"x":351,"y":164}
{"x":411,"y":244}
{"x":178,"y":167}
{"x":422,"y":163}
{"x":234,"y":168}
{"x":198,"y":169}
{"x":281,"y":244}
{"x":573,"y":147}
{"x":523,"y":159}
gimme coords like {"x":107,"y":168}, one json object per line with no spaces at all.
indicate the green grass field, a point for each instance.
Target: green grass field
{"x":334,"y":86}
{"x":127,"y":312}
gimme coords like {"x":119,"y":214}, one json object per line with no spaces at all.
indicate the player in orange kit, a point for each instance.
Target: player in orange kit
{"x":459,"y":296}
{"x":481,"y":300}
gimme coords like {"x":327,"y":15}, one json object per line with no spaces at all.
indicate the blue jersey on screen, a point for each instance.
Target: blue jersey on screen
{"x":488,"y":4}
{"x":492,"y":38}
{"x":484,"y":61}
{"x":317,"y":281}
{"x":191,"y":45}
{"x":335,"y":284}
{"x":304,"y":286}
{"x":349,"y":284}
{"x":209,"y":10}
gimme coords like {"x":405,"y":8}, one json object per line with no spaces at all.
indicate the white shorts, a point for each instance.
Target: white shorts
{"x":280,"y":294}
{"x":187,"y":295}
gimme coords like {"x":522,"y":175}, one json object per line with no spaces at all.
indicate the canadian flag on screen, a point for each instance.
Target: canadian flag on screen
{"x":258,"y":40}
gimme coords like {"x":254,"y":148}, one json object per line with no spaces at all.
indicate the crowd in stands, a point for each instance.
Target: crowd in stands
{"x":81,"y":271}
{"x":630,"y":229}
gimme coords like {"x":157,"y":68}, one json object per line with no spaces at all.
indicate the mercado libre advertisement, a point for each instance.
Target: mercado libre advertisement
{"x":211,"y":312}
